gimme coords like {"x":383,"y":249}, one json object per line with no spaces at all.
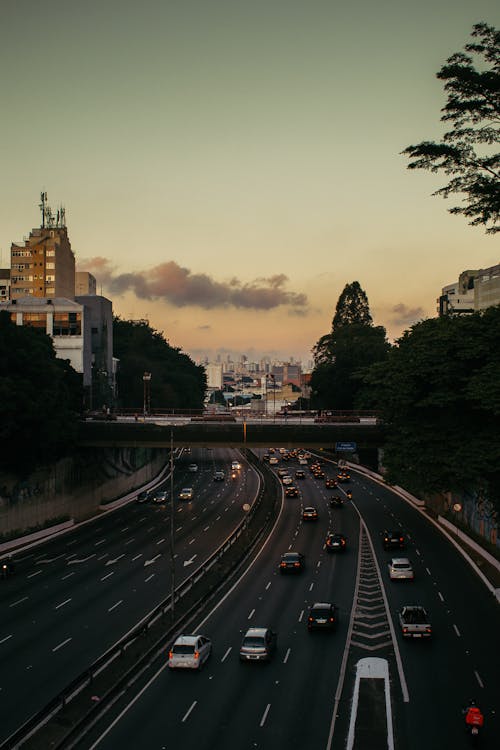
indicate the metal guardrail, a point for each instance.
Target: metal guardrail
{"x":35,"y":723}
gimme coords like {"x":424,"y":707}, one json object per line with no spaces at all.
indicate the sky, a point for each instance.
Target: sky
{"x":228,"y":166}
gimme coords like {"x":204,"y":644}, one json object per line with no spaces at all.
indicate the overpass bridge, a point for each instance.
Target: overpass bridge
{"x":257,"y":433}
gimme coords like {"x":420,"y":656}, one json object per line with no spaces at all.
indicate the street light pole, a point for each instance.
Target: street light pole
{"x":172,"y":554}
{"x":146,"y":379}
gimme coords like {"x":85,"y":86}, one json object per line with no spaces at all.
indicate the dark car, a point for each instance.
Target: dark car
{"x":322,"y":616}
{"x":292,"y":562}
{"x":259,"y":644}
{"x":300,"y":474}
{"x":343,"y":476}
{"x":310,"y":514}
{"x":335,"y":543}
{"x":330,"y":483}
{"x":336,"y":501}
{"x":393,"y":540}
{"x":291,"y":491}
{"x":144,"y":496}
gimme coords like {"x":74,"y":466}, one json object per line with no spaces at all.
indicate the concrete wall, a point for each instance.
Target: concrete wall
{"x":74,"y":488}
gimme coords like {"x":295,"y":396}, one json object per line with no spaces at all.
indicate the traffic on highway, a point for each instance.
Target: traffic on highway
{"x":294,"y":650}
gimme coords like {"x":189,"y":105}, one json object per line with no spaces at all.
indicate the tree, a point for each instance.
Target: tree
{"x":473,"y":109}
{"x":176,"y":382}
{"x":41,"y":399}
{"x":442,"y":423}
{"x":340,"y":356}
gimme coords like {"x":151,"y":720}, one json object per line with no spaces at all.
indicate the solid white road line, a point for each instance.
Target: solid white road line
{"x":223,"y":658}
{"x":14,"y":604}
{"x":115,"y":605}
{"x":58,"y":606}
{"x":6,"y":638}
{"x":193,"y":704}
{"x":61,"y":645}
{"x":31,"y":575}
{"x":108,"y":575}
{"x":264,"y":717}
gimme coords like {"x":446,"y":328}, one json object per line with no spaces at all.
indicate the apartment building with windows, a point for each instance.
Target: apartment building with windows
{"x":44,"y":266}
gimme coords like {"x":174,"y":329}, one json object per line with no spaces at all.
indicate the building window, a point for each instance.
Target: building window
{"x":50,"y":265}
{"x":35,"y":320}
{"x":67,"y":324}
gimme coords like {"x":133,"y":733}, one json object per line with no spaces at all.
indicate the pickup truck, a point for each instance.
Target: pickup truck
{"x":414,"y":622}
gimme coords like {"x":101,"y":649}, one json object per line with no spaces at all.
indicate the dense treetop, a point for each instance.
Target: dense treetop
{"x":176,"y":381}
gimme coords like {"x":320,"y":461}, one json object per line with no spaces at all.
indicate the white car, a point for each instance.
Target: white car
{"x":186,"y":493}
{"x":287,"y":479}
{"x":235,"y":465}
{"x":273,"y":461}
{"x":189,"y":652}
{"x":400,"y":568}
{"x":193,"y":468}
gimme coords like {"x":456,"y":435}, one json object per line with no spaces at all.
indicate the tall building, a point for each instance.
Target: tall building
{"x":475,"y":290}
{"x":44,"y":266}
{"x":85,"y":283}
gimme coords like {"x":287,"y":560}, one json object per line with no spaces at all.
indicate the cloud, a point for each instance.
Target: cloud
{"x":181,"y":288}
{"x":405,"y":316}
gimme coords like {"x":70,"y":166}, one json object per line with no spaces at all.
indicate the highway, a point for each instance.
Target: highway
{"x":303,"y":697}
{"x":77,"y":595}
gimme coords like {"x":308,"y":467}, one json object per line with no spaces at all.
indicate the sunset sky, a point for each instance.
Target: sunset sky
{"x":228,"y":166}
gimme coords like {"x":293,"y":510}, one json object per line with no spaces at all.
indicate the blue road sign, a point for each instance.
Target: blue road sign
{"x":351,"y":447}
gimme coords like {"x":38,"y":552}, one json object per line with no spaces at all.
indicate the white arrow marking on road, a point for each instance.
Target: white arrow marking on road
{"x":111,"y":562}
{"x":83,"y":559}
{"x":190,"y":561}
{"x":150,"y":562}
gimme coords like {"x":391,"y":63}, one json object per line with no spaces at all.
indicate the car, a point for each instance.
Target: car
{"x":400,"y":568}
{"x":343,"y":476}
{"x":310,"y":514}
{"x":282,"y":473}
{"x":302,"y":461}
{"x":160,"y":497}
{"x":273,"y":461}
{"x":330,"y":483}
{"x":144,"y":496}
{"x":287,"y":479}
{"x":393,"y":540}
{"x":7,"y":567}
{"x":292,"y":562}
{"x":336,"y":501}
{"x":186,"y":493}
{"x":335,"y":542}
{"x":235,"y":465}
{"x":319,"y":474}
{"x":266,"y":457}
{"x":189,"y":652}
{"x":258,"y":644}
{"x":300,"y":474}
{"x":322,"y":616}
{"x":193,"y":468}
{"x":219,"y":476}
{"x":291,"y":491}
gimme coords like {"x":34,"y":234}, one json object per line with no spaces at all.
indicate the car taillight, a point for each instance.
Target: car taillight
{"x":311,"y":619}
{"x":297,"y":565}
{"x":170,"y":654}
{"x":405,"y":630}
{"x":332,"y":619}
{"x":428,"y":630}
{"x":196,"y":654}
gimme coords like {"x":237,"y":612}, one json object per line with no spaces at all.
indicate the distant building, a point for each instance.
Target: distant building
{"x":287,"y":373}
{"x":475,"y":290}
{"x":85,"y":283}
{"x":4,"y":284}
{"x":214,"y":376}
{"x":44,"y":266}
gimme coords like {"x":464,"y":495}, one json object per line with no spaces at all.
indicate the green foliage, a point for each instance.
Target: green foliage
{"x":40,"y":399}
{"x":341,"y":356}
{"x":176,"y":382}
{"x":439,"y":393}
{"x":473,"y":108}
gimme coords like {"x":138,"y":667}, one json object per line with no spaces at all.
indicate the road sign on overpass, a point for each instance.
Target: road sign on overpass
{"x":350,"y":447}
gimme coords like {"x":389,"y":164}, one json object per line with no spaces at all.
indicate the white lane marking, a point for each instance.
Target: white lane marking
{"x":179,"y":529}
{"x":108,"y":575}
{"x":115,"y":559}
{"x":477,"y":677}
{"x":14,"y":604}
{"x":311,"y":587}
{"x":66,"y":601}
{"x":441,"y":596}
{"x":103,"y":557}
{"x":301,"y":616}
{"x":268,"y":585}
{"x":34,"y":574}
{"x":319,"y":564}
{"x":124,"y":529}
{"x":151,"y":528}
{"x":223,"y":658}
{"x":150,"y":562}
{"x":206,"y":528}
{"x":68,"y":575}
{"x":251,"y":614}
{"x":417,"y":551}
{"x":192,"y":540}
{"x":264,"y":717}
{"x":286,"y":656}
{"x":6,"y":638}
{"x":68,"y":557}
{"x":149,"y":577}
{"x":101,"y":541}
{"x":115,"y":605}
{"x":137,"y":557}
{"x":129,"y":541}
{"x":61,"y":645}
{"x":193,"y":704}
{"x":428,"y":571}
{"x":457,"y":631}
{"x":160,"y":542}
{"x":218,"y":518}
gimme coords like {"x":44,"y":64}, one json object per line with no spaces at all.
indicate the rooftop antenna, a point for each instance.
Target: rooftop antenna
{"x":43,"y":198}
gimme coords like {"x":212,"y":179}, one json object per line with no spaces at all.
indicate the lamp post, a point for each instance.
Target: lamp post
{"x":146,"y":379}
{"x":172,"y":554}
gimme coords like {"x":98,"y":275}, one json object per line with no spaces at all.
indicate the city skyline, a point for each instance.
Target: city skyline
{"x":227,"y":168}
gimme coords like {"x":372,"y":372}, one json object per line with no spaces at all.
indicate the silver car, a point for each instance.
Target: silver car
{"x":186,"y":493}
{"x":259,"y":644}
{"x":400,"y":568}
{"x":189,"y":652}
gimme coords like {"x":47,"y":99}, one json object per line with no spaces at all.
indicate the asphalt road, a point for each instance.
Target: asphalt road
{"x":303,"y":698}
{"x":74,"y":597}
